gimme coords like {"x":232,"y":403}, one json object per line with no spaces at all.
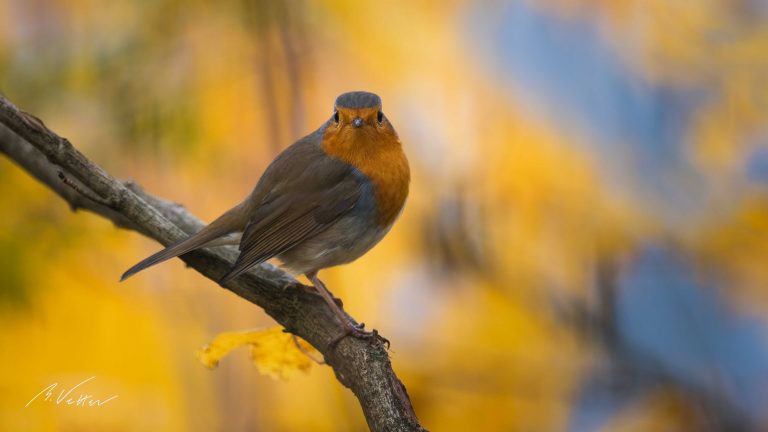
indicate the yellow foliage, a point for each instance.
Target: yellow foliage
{"x":734,"y":243}
{"x":273,"y":352}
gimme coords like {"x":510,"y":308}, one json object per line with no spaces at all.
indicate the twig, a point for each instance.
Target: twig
{"x":85,"y":193}
{"x":305,"y":352}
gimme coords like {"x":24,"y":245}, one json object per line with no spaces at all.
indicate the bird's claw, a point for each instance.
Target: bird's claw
{"x":307,"y":288}
{"x":357,"y":331}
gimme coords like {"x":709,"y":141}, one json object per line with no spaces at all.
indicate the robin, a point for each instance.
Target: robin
{"x":325,"y":200}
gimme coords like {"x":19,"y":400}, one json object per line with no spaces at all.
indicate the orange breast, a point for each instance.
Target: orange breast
{"x":378,"y":154}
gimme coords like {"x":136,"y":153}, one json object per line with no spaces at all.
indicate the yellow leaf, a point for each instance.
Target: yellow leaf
{"x":273,"y":352}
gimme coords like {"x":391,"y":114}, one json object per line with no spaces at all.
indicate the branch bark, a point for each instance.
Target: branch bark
{"x":360,"y":365}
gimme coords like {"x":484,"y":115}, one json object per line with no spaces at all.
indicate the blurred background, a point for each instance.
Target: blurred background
{"x":585,"y":246}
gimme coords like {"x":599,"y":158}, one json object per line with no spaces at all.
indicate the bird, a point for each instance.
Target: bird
{"x":324,"y":201}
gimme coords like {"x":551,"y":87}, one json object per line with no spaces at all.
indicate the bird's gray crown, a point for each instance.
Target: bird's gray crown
{"x":358,"y":99}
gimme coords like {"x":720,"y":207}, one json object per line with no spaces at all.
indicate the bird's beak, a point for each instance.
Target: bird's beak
{"x":357,"y":122}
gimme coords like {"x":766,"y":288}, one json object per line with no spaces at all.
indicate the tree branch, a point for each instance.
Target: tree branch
{"x":360,"y":365}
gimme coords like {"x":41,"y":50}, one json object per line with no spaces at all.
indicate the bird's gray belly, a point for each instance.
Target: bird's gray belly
{"x":346,"y":240}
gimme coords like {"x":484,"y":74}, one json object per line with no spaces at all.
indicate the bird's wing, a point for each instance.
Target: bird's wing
{"x":296,"y":209}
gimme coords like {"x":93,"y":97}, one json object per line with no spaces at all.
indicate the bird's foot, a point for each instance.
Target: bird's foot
{"x":307,"y":288}
{"x":312,"y":289}
{"x":358,"y":331}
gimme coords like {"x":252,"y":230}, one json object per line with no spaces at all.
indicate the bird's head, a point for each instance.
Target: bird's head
{"x":357,"y":118}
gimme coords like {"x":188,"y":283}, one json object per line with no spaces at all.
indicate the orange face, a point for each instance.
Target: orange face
{"x":364,"y":138}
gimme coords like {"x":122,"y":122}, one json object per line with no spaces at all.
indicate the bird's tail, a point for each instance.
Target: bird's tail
{"x":222,"y":226}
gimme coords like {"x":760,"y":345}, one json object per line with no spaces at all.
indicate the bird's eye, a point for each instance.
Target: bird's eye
{"x":380,"y":116}
{"x":336,"y":116}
